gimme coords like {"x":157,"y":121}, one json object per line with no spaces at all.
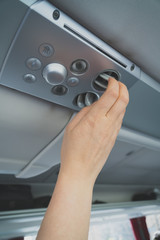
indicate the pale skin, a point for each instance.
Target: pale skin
{"x":88,"y":141}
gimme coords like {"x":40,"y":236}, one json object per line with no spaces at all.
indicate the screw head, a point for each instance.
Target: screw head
{"x":56,"y":14}
{"x":132,"y":67}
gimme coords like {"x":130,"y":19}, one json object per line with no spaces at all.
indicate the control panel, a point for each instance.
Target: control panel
{"x":54,"y":58}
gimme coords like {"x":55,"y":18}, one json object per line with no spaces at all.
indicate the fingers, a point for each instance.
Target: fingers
{"x":108,"y":98}
{"x":111,"y":104}
{"x":78,"y":117}
{"x":120,"y":104}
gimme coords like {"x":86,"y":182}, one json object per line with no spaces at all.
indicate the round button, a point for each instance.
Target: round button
{"x":79,"y":66}
{"x":46,"y":50}
{"x":72,"y":82}
{"x":33,"y":63}
{"x":59,"y":90}
{"x":29,"y":78}
{"x":54,"y":73}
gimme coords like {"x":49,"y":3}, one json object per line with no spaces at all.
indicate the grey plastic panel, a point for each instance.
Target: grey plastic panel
{"x":143,"y":111}
{"x":28,"y":2}
{"x":141,"y":166}
{"x":12,"y":13}
{"x":130,"y":27}
{"x":52,"y":156}
{"x":27,"y":125}
{"x":70,"y":42}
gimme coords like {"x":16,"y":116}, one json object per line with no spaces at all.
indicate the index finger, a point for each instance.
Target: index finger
{"x":107,"y":100}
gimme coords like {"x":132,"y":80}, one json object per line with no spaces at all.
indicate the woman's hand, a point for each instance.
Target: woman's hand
{"x":87,"y":142}
{"x":90,"y":136}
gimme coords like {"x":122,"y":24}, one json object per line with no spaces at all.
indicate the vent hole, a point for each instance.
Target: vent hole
{"x":85,"y":99}
{"x":101,"y":82}
{"x":59,"y":90}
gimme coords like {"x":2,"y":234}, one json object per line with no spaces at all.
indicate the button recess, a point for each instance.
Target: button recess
{"x":79,"y":66}
{"x":59,"y":90}
{"x":33,"y":64}
{"x":72,"y":82}
{"x":29,"y":78}
{"x":46,"y":50}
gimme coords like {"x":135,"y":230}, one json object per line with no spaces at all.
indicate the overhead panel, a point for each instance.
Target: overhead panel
{"x":54,"y":58}
{"x":64,"y":67}
{"x":130,"y":27}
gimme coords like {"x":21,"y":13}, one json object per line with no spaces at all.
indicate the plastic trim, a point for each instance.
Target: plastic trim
{"x":140,"y":139}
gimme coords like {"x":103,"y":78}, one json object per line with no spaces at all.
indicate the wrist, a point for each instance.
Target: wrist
{"x":78,"y":179}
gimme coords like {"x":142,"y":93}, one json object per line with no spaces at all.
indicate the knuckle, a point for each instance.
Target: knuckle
{"x":90,"y":121}
{"x":113,"y":93}
{"x":85,"y":109}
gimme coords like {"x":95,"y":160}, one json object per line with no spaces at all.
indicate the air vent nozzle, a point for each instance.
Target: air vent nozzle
{"x":101,"y":82}
{"x":85,"y":99}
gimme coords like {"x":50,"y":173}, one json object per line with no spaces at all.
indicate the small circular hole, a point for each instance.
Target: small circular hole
{"x":132,"y":67}
{"x":79,"y":66}
{"x":59,"y":90}
{"x":56,"y":14}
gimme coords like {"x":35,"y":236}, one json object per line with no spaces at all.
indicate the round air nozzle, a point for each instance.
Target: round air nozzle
{"x":59,"y":90}
{"x":79,"y":66}
{"x":85,"y":99}
{"x":101,"y":82}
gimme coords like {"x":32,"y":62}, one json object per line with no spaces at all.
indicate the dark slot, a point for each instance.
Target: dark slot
{"x":101,"y":82}
{"x":93,"y":45}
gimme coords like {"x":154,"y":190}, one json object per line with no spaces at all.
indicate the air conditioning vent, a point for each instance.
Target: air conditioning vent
{"x":85,"y":99}
{"x":101,"y":82}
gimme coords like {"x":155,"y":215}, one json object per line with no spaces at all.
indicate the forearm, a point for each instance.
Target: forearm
{"x":87,"y":143}
{"x":68,"y":214}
